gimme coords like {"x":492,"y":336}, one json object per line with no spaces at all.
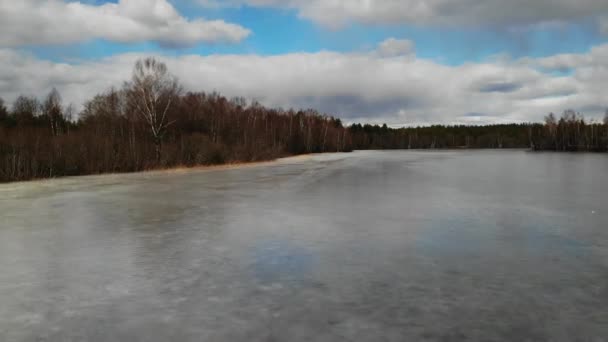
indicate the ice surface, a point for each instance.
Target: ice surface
{"x":369,"y":246}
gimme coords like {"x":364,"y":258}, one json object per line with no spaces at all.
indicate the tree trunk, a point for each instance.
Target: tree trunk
{"x":158,"y":146}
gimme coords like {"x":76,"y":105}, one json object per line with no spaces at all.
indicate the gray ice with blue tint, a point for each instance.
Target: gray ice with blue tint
{"x":368,"y":246}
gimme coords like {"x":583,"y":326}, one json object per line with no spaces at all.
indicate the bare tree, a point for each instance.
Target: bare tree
{"x":606,"y":125}
{"x":25,"y":109}
{"x":53,"y":110}
{"x":69,"y":114}
{"x":3,"y":110}
{"x":152,"y":91}
{"x":551,"y":124}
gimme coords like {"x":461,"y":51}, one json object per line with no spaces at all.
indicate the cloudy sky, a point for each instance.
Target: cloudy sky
{"x":402,"y":62}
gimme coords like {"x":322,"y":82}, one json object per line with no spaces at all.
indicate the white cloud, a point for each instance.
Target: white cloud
{"x":468,"y":13}
{"x":604,"y":25}
{"x":355,"y":86}
{"x":396,"y":47}
{"x":31,"y":22}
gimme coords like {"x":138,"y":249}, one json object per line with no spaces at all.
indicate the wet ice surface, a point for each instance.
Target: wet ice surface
{"x":369,"y":246}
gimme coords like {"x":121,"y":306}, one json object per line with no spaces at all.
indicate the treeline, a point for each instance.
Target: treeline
{"x":441,"y":137}
{"x":149,"y":123}
{"x":570,"y":133}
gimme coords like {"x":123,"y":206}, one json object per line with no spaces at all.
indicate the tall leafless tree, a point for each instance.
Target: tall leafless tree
{"x":3,"y":110}
{"x":152,"y":91}
{"x":606,"y":126}
{"x":551,"y":124}
{"x":53,"y":110}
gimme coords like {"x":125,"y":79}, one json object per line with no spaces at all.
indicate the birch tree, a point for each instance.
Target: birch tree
{"x":551,"y":124}
{"x":53,"y":110}
{"x":152,"y":91}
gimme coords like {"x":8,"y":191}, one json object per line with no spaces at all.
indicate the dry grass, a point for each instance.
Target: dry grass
{"x":227,"y":166}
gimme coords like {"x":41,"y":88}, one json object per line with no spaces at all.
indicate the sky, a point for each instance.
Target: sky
{"x":400,"y":62}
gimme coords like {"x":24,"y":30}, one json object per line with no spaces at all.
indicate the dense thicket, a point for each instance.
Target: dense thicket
{"x":572,"y":133}
{"x":109,"y":137}
{"x":149,"y":123}
{"x":141,"y":127}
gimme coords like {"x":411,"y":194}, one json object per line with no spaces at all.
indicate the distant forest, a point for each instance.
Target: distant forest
{"x":150,"y":123}
{"x":570,"y":133}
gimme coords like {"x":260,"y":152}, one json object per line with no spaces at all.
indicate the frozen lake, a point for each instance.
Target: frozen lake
{"x":368,"y":246}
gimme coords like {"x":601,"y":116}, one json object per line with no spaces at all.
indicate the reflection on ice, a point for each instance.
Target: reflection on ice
{"x":281,"y":261}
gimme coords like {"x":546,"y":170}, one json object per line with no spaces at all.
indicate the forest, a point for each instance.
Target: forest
{"x":571,"y":133}
{"x":151,"y":123}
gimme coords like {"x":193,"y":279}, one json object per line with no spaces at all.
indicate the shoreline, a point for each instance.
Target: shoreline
{"x":218,"y":167}
{"x":168,"y":170}
{"x":242,"y":165}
